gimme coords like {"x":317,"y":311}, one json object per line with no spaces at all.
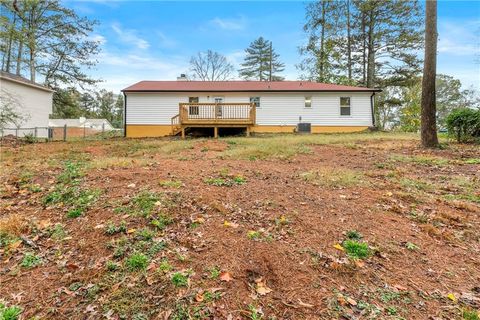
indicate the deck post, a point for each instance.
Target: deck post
{"x":248,"y":131}
{"x":183,"y":133}
{"x":215,"y":132}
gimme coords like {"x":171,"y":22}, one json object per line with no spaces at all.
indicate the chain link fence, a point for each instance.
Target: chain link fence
{"x":60,"y":133}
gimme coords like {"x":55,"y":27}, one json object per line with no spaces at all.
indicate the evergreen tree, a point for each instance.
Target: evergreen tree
{"x":261,"y":62}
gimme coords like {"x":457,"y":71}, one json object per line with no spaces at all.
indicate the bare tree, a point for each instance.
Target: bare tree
{"x":211,"y":66}
{"x":10,"y":110}
{"x":429,"y":108}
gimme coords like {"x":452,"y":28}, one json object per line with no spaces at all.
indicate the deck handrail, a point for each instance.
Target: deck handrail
{"x":217,"y":113}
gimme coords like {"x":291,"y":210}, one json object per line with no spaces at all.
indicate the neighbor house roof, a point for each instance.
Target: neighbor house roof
{"x":240,"y":86}
{"x":21,"y":80}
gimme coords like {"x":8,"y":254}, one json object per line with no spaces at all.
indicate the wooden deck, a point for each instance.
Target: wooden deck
{"x":216,"y":115}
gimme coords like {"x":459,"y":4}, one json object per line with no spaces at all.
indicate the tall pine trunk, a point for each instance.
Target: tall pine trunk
{"x":322,"y":45}
{"x":349,"y":43}
{"x":364,"y":50}
{"x":371,"y":51}
{"x":429,"y":123}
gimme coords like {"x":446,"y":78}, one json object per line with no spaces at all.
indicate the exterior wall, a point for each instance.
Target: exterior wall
{"x":278,"y":112}
{"x":35,"y":103}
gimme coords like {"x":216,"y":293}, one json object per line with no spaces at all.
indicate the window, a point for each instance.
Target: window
{"x":193,"y":110}
{"x":255,"y":101}
{"x":345,"y":109}
{"x":308,"y":102}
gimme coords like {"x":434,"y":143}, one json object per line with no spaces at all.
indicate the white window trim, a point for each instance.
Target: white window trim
{"x":259,"y":101}
{"x":340,"y":107}
{"x":311,"y":103}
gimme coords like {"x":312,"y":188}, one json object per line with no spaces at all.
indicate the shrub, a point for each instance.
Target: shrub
{"x":464,"y":124}
{"x":179,"y":280}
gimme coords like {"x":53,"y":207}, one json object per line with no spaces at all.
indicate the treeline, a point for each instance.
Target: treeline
{"x":103,"y":104}
{"x":377,"y":44}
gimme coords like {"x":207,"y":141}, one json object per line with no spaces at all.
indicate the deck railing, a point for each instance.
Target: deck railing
{"x":217,"y":113}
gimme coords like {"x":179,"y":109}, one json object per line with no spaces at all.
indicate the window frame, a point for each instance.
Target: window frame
{"x":349,"y":106}
{"x":257,"y":104}
{"x":193,"y":110}
{"x":305,"y":102}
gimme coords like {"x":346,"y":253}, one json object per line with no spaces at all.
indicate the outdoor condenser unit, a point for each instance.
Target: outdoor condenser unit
{"x":304,"y":127}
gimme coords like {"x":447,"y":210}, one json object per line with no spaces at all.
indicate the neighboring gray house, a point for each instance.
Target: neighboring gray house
{"x":93,"y":124}
{"x":31,"y":100}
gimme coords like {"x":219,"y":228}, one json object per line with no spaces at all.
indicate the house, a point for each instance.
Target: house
{"x":161,"y":108}
{"x":79,"y":127}
{"x":29,"y":99}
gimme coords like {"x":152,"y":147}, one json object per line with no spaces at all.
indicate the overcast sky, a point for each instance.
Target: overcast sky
{"x":153,"y":40}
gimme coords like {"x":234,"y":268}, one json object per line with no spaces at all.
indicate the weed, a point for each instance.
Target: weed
{"x":211,"y":296}
{"x":470,"y":314}
{"x":137,"y":262}
{"x":472,"y":161}
{"x":165,"y":266}
{"x":354,"y":235}
{"x":171,"y":184}
{"x":30,"y":260}
{"x":112,"y":229}
{"x":58,"y":233}
{"x":422,"y":160}
{"x":112,"y":266}
{"x":253,"y":235}
{"x":333,"y":178}
{"x":411,"y":246}
{"x":74,"y":213}
{"x":179,"y":280}
{"x":162,"y":221}
{"x":417,"y":184}
{"x":145,"y":202}
{"x":391,"y":310}
{"x":356,"y":250}
{"x":282,"y":221}
{"x":145,"y":234}
{"x":9,"y":313}
{"x":214,"y":272}
{"x":254,"y":313}
{"x":226,"y":181}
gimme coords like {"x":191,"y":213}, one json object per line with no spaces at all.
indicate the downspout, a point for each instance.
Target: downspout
{"x":371,"y":107}
{"x":124,"y":115}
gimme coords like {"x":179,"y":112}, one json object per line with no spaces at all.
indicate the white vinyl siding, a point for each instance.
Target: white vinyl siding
{"x":276,"y":108}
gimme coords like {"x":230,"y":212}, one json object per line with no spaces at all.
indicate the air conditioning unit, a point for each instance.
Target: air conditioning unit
{"x":304,"y":127}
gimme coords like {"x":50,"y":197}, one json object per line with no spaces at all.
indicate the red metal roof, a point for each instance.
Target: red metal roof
{"x":239,"y":86}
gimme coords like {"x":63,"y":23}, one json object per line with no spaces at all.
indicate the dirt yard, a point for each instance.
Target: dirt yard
{"x":355,"y":226}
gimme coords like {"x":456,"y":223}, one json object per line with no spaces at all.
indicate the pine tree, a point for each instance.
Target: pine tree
{"x":261,"y":62}
{"x":429,"y":111}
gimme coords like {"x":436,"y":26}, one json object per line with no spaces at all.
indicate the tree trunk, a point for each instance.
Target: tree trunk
{"x":371,"y":51}
{"x":429,"y":125}
{"x":11,"y":37}
{"x":349,"y":44}
{"x":20,"y":51}
{"x":322,"y":45}
{"x":364,"y":50}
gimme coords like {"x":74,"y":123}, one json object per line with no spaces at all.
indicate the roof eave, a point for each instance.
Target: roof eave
{"x":255,"y":90}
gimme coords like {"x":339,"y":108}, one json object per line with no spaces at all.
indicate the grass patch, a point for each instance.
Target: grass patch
{"x":421,"y":160}
{"x":68,"y":192}
{"x":137,"y":262}
{"x":356,"y":250}
{"x":226,"y":181}
{"x":331,"y":177}
{"x":470,"y":314}
{"x":179,"y":279}
{"x":30,"y":260}
{"x":117,"y":162}
{"x":176,"y":184}
{"x":9,"y":313}
{"x":112,"y":229}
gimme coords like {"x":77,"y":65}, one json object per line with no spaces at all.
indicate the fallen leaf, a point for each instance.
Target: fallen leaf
{"x":130,"y":230}
{"x":360,"y":263}
{"x":452,"y":297}
{"x":230,"y":224}
{"x":131,"y":185}
{"x":199,"y":297}
{"x":262,"y":288}
{"x":306,"y":305}
{"x":351,"y":301}
{"x":226,"y":276}
{"x":400,"y":287}
{"x":339,"y":247}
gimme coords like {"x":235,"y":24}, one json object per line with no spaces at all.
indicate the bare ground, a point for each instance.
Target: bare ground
{"x":243,"y":230}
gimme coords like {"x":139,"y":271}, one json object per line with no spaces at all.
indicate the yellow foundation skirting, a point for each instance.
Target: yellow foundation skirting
{"x":142,"y":131}
{"x":315,"y":129}
{"x":333,"y":129}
